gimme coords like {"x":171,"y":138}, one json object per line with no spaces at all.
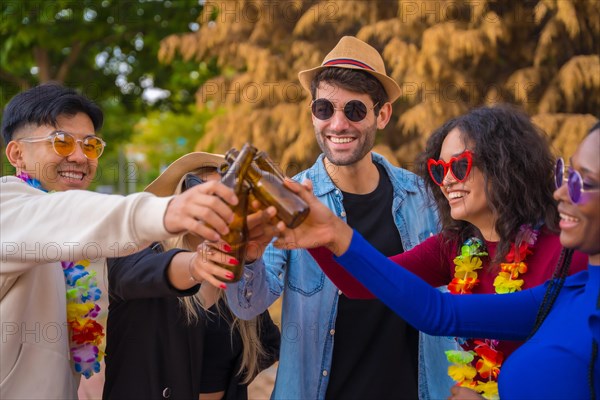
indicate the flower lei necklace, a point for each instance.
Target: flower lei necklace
{"x":484,"y":356}
{"x":82,"y":291}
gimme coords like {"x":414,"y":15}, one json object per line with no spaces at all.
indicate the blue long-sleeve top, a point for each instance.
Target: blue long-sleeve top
{"x":553,"y":364}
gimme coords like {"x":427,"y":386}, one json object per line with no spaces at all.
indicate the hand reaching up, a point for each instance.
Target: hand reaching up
{"x":262,"y":227}
{"x":320,"y":228}
{"x":201,"y":210}
{"x":204,"y":267}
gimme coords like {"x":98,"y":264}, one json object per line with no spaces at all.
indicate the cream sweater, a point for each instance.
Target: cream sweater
{"x":37,"y":231}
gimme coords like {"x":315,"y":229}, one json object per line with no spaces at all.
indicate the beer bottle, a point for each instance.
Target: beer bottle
{"x":237,"y":237}
{"x":264,"y":162}
{"x":269,"y":189}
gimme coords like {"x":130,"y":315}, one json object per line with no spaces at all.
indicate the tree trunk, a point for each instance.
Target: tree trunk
{"x":43,"y":63}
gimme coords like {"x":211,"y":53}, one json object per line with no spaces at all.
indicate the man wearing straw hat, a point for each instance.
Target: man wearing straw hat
{"x":333,"y":346}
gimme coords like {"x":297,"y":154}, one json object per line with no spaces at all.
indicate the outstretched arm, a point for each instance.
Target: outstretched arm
{"x":321,"y":228}
{"x":509,"y":316}
{"x":342,"y":279}
{"x":144,"y":275}
{"x":425,"y":260}
{"x":407,"y":295}
{"x":92,"y":225}
{"x":325,"y":235}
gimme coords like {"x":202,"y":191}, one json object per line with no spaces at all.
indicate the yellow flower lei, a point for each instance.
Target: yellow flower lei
{"x":486,"y":358}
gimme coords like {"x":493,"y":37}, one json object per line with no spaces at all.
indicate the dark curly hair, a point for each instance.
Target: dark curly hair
{"x":517,"y":165}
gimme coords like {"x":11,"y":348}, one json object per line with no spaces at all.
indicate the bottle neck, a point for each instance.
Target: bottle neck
{"x":234,"y":177}
{"x":265,"y":163}
{"x":254,"y":174}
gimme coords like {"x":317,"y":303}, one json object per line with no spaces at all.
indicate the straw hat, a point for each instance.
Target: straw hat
{"x":353,"y":53}
{"x":166,"y":183}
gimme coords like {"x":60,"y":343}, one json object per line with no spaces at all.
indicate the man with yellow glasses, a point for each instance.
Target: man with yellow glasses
{"x":49,"y":335}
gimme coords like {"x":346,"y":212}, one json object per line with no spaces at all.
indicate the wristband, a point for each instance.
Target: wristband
{"x":190,"y":270}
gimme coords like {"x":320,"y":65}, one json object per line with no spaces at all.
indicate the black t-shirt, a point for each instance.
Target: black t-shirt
{"x":152,"y":352}
{"x":224,"y":347}
{"x":375,"y":352}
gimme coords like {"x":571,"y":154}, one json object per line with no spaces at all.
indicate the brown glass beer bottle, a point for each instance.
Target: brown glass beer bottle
{"x":268,"y":188}
{"x":264,"y":162}
{"x":237,"y":237}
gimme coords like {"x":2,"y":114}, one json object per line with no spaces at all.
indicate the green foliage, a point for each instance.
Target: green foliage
{"x":447,"y":56}
{"x":107,"y":49}
{"x":163,"y":136}
{"x":90,"y":45}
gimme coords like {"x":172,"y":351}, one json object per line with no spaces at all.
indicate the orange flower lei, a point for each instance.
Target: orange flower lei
{"x":486,"y":359}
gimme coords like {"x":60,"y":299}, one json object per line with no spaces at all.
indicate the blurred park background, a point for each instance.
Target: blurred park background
{"x":178,"y":75}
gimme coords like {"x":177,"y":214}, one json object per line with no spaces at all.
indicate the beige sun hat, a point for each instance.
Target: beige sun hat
{"x":166,"y":183}
{"x":353,"y":53}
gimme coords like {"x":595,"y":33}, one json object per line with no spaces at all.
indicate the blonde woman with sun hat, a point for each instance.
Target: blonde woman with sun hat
{"x":170,"y":333}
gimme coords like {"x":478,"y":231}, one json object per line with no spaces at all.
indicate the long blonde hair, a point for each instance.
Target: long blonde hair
{"x":252,"y":348}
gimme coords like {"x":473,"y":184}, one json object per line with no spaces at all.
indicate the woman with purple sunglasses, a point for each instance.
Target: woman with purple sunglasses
{"x":490,"y":175}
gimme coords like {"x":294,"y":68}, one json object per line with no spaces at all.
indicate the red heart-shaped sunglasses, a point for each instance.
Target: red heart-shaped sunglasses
{"x":459,"y":166}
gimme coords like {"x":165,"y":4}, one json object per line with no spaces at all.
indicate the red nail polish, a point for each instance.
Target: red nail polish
{"x":223,"y":286}
{"x":233,"y":261}
{"x":226,"y":247}
{"x":229,"y":275}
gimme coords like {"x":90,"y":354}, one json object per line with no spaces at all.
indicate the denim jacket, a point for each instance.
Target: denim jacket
{"x":310,"y":302}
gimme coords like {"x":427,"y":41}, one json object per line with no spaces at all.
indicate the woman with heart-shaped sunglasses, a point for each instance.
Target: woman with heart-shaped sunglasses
{"x":490,"y":173}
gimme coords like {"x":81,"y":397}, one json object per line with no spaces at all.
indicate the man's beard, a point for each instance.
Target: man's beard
{"x":368,"y":141}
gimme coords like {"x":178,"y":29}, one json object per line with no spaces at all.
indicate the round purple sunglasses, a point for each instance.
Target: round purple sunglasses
{"x":577,"y":193}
